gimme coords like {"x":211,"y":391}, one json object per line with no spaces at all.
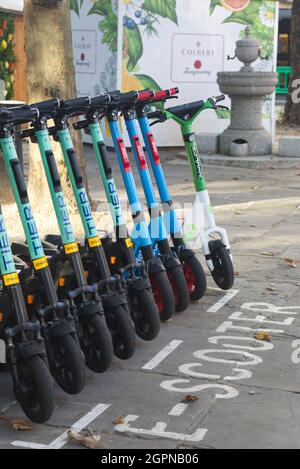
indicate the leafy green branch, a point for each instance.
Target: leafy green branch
{"x":145,"y":18}
{"x":252,"y":16}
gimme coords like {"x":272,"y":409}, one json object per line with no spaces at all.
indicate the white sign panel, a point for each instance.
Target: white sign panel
{"x":84,"y":43}
{"x":163,"y":44}
{"x":197,"y":58}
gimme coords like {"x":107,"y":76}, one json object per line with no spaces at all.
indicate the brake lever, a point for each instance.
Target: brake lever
{"x":223,"y":107}
{"x":156,"y":122}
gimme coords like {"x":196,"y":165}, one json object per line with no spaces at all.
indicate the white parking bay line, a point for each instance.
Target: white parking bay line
{"x":223,"y":301}
{"x":164,"y":353}
{"x":178,"y":410}
{"x":59,"y":442}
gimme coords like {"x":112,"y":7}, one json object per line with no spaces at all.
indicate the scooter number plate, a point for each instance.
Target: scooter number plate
{"x":94,"y":242}
{"x":41,"y":263}
{"x":11,"y":279}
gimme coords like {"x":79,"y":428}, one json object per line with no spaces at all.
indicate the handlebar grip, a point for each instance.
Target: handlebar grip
{"x":121,"y":98}
{"x":76,"y":103}
{"x":160,"y":95}
{"x":218,"y":99}
{"x":100,"y":101}
{"x":130,"y":96}
{"x":145,"y":95}
{"x":165,"y":94}
{"x":50,"y":105}
{"x":174,"y":91}
{"x":18,"y":116}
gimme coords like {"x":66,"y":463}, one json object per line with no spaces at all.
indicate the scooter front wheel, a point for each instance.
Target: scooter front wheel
{"x":195,"y":278}
{"x":69,"y":371}
{"x":223,"y":273}
{"x":179,"y":286}
{"x":96,"y":343}
{"x":145,"y":315}
{"x":35,"y":392}
{"x":163,"y":295}
{"x":122,"y":331}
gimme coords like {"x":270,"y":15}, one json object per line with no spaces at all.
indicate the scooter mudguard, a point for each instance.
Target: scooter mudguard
{"x":184,"y":253}
{"x":89,"y":309}
{"x":114,"y":299}
{"x":27,"y":350}
{"x":140,"y":284}
{"x":155,"y":266}
{"x":61,"y":329}
{"x":170,"y":261}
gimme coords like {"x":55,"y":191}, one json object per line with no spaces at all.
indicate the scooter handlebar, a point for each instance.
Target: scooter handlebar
{"x":157,"y":96}
{"x":69,"y":106}
{"x":165,"y":94}
{"x":45,"y":107}
{"x":18,"y":116}
{"x":124,"y":98}
{"x":217,"y":99}
{"x":145,"y":95}
{"x":100,"y":101}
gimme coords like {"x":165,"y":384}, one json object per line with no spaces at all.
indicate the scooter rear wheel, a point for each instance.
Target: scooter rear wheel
{"x":163,"y":295}
{"x":122,"y":331}
{"x":223,"y":273}
{"x":145,"y":315}
{"x":70,"y":370}
{"x":180,"y":288}
{"x":195,"y":278}
{"x":36,"y":392}
{"x":96,"y":343}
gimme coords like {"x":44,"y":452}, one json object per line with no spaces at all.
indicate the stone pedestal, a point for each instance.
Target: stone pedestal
{"x":247,"y":88}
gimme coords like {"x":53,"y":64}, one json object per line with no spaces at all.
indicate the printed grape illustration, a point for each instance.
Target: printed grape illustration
{"x":139,"y":17}
{"x":142,"y":19}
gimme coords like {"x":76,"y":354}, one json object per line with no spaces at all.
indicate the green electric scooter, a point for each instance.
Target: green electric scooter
{"x":25,"y":348}
{"x":57,"y":324}
{"x":95,"y":263}
{"x":120,"y":253}
{"x":86,"y":304}
{"x":216,"y":251}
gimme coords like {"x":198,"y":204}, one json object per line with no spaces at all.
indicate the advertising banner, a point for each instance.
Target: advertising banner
{"x":161,"y":44}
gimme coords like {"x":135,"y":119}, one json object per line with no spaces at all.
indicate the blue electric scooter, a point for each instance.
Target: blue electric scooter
{"x":193,"y":270}
{"x":157,"y":228}
{"x":143,"y":246}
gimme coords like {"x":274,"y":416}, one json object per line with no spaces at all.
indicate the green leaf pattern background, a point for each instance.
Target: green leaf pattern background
{"x":144,"y":17}
{"x":260,"y":15}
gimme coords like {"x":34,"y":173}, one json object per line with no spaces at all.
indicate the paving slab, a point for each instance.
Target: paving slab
{"x":247,"y":391}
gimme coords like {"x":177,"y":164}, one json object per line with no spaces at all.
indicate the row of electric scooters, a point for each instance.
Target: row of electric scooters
{"x":67,"y":305}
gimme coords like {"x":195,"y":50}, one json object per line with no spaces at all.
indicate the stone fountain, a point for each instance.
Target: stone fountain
{"x":246,"y":134}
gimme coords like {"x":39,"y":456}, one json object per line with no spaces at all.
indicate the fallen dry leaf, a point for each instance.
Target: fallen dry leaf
{"x":237,"y":274}
{"x":91,"y":441}
{"x":190,"y":398}
{"x":263,"y":336}
{"x":268,"y":254}
{"x":119,"y":421}
{"x":20,"y":425}
{"x":271,"y":288}
{"x":239,"y":212}
{"x":291,"y":262}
